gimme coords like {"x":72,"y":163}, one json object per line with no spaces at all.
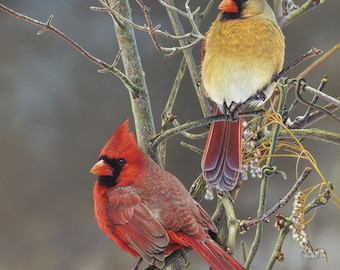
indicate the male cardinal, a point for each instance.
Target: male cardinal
{"x":146,"y":210}
{"x":243,"y":51}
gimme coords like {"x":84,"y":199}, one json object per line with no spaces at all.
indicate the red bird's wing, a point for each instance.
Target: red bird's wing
{"x":137,"y":225}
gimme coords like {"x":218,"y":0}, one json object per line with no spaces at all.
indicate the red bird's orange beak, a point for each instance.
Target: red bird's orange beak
{"x":228,"y":6}
{"x":101,"y":168}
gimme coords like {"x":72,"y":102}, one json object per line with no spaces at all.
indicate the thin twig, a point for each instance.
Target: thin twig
{"x":319,"y":61}
{"x":247,"y":224}
{"x":284,"y":224}
{"x":184,"y":127}
{"x":295,"y":13}
{"x":302,"y":121}
{"x":167,"y":115}
{"x":301,"y":86}
{"x":318,"y":115}
{"x":149,"y":28}
{"x":192,"y":147}
{"x":119,"y":18}
{"x":167,"y":112}
{"x":309,"y":69}
{"x":47,"y":26}
{"x":264,"y":184}
{"x":156,"y":140}
{"x":190,"y":60}
{"x":314,"y":134}
{"x":311,"y":53}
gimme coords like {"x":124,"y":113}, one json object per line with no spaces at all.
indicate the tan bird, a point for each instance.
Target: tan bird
{"x":243,"y":51}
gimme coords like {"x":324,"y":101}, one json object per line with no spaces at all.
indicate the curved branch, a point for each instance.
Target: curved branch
{"x":298,"y":11}
{"x":313,"y":133}
{"x":245,"y":225}
{"x":47,"y":26}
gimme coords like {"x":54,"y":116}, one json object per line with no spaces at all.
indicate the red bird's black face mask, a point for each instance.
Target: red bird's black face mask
{"x":108,"y":170}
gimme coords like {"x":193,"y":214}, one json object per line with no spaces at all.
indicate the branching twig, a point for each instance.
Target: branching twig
{"x":247,"y":224}
{"x":301,"y":86}
{"x":318,"y":115}
{"x":315,"y":134}
{"x":303,"y":120}
{"x":319,"y":61}
{"x":305,"y":72}
{"x":152,"y":30}
{"x":284,"y":225}
{"x":167,"y":115}
{"x":49,"y":27}
{"x":265,"y":179}
{"x":189,"y":58}
{"x":311,"y":53}
{"x":191,"y":125}
{"x":286,"y":16}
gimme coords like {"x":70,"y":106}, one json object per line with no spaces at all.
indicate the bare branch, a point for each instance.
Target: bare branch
{"x":286,"y":11}
{"x":319,"y":61}
{"x":152,"y":30}
{"x":301,"y":86}
{"x":318,"y":115}
{"x":311,"y":53}
{"x":47,"y":26}
{"x":247,"y":224}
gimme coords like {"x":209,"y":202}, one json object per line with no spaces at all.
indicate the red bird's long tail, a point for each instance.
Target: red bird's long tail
{"x":222,"y":158}
{"x":215,"y":256}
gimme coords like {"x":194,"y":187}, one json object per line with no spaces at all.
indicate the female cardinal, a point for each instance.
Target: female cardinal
{"x":146,"y":210}
{"x":243,"y":51}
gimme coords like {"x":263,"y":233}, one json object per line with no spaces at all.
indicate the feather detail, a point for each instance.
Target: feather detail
{"x":212,"y":253}
{"x":222,"y":157}
{"x":125,"y":215}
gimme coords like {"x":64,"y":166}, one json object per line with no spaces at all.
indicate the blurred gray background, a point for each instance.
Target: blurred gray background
{"x":56,"y":113}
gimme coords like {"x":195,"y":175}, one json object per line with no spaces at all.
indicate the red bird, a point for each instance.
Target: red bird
{"x":243,"y":51}
{"x":146,"y":210}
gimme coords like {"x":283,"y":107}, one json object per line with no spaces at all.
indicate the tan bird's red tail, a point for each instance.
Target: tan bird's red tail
{"x":222,"y":157}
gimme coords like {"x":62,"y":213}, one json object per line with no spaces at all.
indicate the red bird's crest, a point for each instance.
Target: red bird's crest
{"x":121,"y":141}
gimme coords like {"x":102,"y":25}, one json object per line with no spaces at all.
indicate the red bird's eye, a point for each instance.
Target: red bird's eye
{"x":121,"y":162}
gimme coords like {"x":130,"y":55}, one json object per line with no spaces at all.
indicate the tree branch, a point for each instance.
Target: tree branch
{"x":141,"y":106}
{"x":286,"y":11}
{"x":49,"y":27}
